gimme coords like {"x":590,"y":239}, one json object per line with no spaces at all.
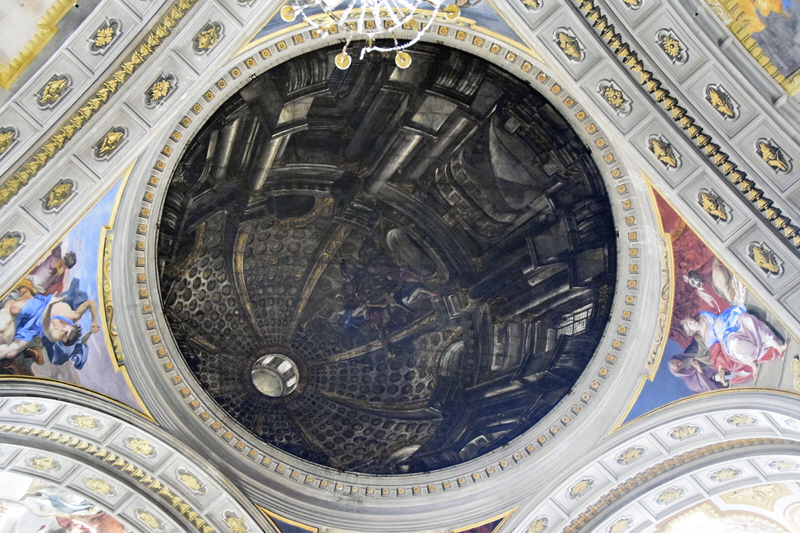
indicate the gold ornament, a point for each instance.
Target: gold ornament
{"x":722,"y":102}
{"x":100,"y":486}
{"x":579,"y":488}
{"x":569,"y":44}
{"x":670,"y":495}
{"x":28,"y":409}
{"x":44,"y":463}
{"x":713,"y":205}
{"x":632,"y":454}
{"x":58,"y":195}
{"x":141,"y":447}
{"x":766,"y":260}
{"x":772,"y":155}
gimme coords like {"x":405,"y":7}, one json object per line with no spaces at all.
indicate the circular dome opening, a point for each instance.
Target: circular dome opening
{"x":275,"y":375}
{"x":433,"y":246}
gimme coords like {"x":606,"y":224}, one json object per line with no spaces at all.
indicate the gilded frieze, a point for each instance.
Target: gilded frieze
{"x":71,"y":126}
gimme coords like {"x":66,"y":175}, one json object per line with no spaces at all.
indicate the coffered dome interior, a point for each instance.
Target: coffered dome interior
{"x":415,"y":265}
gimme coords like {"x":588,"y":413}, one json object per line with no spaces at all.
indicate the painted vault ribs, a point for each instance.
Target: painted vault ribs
{"x":402,"y":304}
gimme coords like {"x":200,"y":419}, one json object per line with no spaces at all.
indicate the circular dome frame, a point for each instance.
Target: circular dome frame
{"x":303,"y":487}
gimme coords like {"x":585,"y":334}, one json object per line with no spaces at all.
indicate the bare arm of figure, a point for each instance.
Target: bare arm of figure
{"x":47,"y":327}
{"x":7,"y":351}
{"x":91,"y":306}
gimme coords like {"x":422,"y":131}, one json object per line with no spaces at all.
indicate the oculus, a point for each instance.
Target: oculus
{"x":387,"y":270}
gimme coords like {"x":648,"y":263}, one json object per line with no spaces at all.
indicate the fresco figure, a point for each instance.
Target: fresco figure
{"x":751,"y":9}
{"x":736,"y":340}
{"x":726,"y":291}
{"x":696,"y":372}
{"x":48,"y":276}
{"x":51,"y":319}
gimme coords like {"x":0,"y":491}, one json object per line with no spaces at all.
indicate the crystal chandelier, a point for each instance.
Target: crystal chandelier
{"x":371,"y":20}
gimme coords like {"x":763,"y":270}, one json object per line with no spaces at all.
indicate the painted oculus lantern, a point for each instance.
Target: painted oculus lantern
{"x":387,"y":271}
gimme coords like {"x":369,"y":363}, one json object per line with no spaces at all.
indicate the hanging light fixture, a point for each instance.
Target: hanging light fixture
{"x":371,"y":19}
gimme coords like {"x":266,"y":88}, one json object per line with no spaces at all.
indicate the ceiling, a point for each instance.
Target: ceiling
{"x":441,"y":298}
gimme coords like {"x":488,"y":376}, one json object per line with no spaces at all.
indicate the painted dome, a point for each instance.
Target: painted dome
{"x":387,"y":271}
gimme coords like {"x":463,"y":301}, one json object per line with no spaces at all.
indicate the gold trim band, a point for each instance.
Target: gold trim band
{"x":72,"y":125}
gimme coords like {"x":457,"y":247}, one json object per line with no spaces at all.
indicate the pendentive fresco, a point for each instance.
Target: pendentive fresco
{"x":721,"y":336}
{"x":51,"y":322}
{"x":384,"y":270}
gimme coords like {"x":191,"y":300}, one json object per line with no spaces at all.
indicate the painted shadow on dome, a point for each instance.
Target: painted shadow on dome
{"x":52,"y":323}
{"x":721,"y":336}
{"x":432,"y":248}
{"x":29,"y":505}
